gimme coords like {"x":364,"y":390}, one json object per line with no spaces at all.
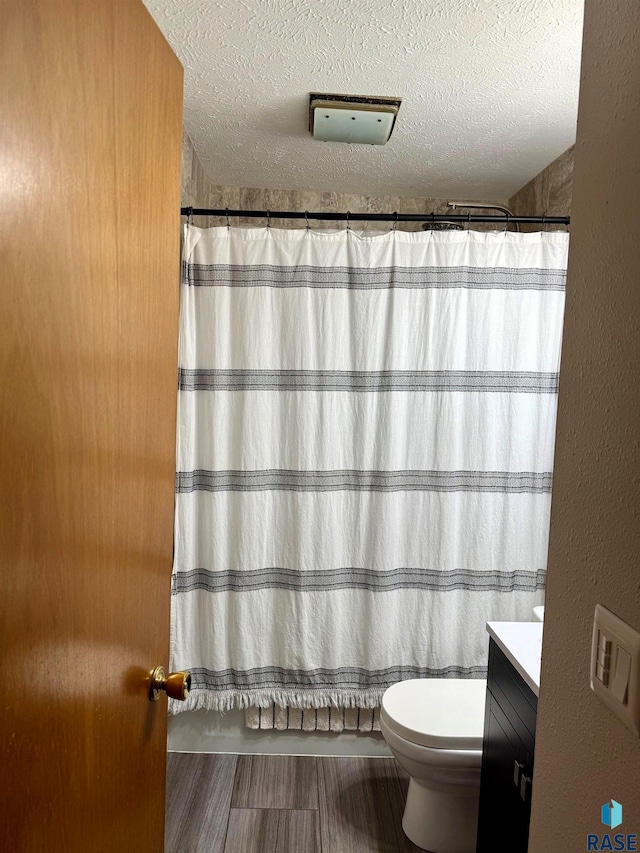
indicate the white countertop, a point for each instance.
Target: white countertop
{"x":521,"y":642}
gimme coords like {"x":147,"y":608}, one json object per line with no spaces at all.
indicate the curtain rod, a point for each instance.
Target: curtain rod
{"x":378,"y":217}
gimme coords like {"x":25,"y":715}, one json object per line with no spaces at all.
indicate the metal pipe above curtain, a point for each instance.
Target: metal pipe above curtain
{"x":347,"y":216}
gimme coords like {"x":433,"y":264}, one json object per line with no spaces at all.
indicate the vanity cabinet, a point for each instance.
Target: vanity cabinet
{"x":507,"y":758}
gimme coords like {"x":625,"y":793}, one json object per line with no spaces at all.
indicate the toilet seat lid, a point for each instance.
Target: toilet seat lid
{"x":443,"y":713}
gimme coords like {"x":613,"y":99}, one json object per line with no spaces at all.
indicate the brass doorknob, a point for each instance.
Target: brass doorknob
{"x":176,"y":685}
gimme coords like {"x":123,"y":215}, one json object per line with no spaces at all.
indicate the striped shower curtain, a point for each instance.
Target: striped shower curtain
{"x":365,"y":449}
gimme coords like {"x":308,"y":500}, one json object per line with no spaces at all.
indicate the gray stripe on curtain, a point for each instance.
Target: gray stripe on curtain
{"x":355,"y":578}
{"x":360,"y":380}
{"x":381,"y":278}
{"x":364,"y":481}
{"x":342,"y":678}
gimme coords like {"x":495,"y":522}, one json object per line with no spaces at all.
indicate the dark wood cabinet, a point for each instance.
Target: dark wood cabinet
{"x":507,"y":758}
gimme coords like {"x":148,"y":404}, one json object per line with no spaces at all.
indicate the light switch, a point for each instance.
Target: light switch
{"x":603,"y":659}
{"x":604,"y":644}
{"x":602,"y":673}
{"x":620,"y":686}
{"x":615,"y":666}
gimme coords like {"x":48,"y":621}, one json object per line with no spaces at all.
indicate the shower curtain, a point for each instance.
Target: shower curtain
{"x":365,"y":447}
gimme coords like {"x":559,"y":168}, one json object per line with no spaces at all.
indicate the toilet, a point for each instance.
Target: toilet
{"x":434,"y":728}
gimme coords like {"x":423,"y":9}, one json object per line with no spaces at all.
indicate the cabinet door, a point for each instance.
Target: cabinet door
{"x":504,"y":814}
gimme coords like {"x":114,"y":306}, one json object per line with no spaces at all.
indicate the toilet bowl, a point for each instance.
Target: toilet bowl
{"x":434,"y":728}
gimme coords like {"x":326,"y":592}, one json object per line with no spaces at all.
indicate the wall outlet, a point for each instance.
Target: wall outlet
{"x":615,"y":666}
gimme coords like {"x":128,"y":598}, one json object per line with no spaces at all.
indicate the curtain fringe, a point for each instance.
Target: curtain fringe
{"x":223,"y":701}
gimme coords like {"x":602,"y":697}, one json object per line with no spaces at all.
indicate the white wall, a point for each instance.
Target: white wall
{"x":585,"y":755}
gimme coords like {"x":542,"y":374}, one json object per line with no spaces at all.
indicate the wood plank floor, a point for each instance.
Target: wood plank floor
{"x":284,"y":804}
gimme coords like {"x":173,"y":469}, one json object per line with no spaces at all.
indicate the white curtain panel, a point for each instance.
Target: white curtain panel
{"x":365,"y":453}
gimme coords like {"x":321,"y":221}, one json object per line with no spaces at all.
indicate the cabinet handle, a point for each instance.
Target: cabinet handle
{"x":525,"y":788}
{"x":517,"y":770}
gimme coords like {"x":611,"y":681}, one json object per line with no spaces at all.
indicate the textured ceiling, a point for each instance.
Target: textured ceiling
{"x":489,"y":89}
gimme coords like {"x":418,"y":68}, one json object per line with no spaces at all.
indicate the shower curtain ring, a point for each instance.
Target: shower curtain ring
{"x":268,"y":219}
{"x":469,"y":221}
{"x":395,"y":221}
{"x":348,"y":223}
{"x":544,"y":217}
{"x":508,"y":220}
{"x":227,"y":213}
{"x":306,"y":217}
{"x":190,"y":215}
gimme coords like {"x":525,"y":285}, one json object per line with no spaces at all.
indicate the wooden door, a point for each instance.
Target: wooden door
{"x":90,"y":139}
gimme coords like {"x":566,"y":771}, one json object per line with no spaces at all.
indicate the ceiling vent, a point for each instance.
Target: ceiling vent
{"x":356,"y":119}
